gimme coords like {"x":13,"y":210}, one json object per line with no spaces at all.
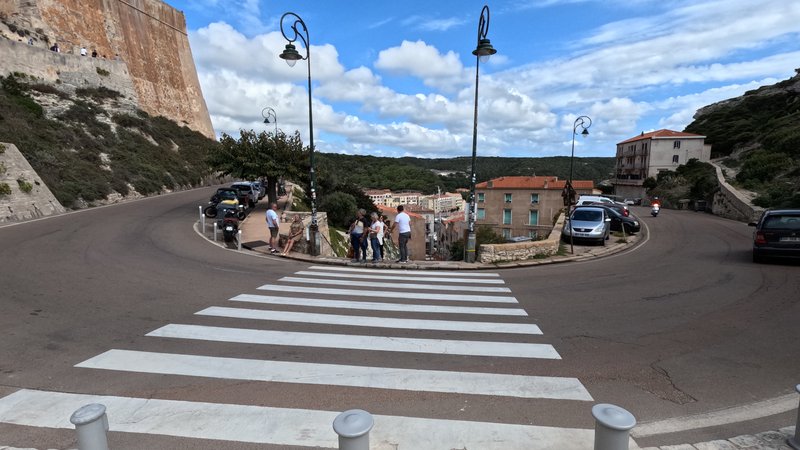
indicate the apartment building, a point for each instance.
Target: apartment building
{"x":523,"y":206}
{"x":645,"y":155}
{"x":443,"y":204}
{"x":380,"y":197}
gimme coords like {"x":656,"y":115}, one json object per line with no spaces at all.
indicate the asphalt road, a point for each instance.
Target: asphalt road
{"x":683,"y":324}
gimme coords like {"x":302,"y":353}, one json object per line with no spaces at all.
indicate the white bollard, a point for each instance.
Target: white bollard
{"x":215,"y":232}
{"x":239,"y":240}
{"x":611,"y":427}
{"x":794,"y":442}
{"x":353,"y":427}
{"x":91,"y":424}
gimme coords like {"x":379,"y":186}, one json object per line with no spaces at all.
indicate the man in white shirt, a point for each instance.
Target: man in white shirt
{"x":403,"y":223}
{"x":273,"y":223}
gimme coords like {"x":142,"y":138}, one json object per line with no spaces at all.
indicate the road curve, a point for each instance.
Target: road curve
{"x":685,"y":324}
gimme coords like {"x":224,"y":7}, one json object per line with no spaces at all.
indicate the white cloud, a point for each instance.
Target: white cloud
{"x":420,"y":60}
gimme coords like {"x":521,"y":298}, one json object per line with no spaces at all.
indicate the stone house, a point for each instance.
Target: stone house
{"x":521,"y":206}
{"x":645,"y":155}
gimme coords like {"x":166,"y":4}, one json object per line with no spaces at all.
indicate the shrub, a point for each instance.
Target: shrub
{"x":102,"y":72}
{"x":340,"y":208}
{"x":97,"y":93}
{"x":5,"y":189}
{"x":24,"y":186}
{"x":761,"y":166}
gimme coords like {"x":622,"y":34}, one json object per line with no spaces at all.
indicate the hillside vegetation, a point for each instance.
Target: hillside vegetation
{"x":758,"y":135}
{"x":88,"y":144}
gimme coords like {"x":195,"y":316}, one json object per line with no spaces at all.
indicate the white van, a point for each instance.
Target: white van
{"x":583,"y":199}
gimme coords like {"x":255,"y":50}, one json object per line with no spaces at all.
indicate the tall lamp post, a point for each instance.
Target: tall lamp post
{"x":291,"y":55}
{"x":268,"y":113}
{"x":583,"y":122}
{"x":482,"y":53}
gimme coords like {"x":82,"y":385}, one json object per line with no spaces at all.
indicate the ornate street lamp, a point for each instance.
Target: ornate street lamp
{"x":482,"y":53}
{"x":291,"y":55}
{"x":268,"y":113}
{"x":569,"y":192}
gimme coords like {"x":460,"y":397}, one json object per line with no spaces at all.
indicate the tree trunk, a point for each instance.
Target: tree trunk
{"x":272,"y":190}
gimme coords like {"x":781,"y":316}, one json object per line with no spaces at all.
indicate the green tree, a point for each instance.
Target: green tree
{"x":340,"y":207}
{"x":269,"y":155}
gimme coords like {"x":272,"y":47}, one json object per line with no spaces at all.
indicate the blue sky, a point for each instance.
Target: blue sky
{"x":398,"y":78}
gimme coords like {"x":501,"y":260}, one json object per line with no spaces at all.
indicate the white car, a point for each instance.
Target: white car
{"x":247,"y":187}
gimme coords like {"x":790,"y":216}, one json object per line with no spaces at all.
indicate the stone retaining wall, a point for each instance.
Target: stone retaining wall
{"x":493,"y":253}
{"x":21,"y":205}
{"x":731,"y":204}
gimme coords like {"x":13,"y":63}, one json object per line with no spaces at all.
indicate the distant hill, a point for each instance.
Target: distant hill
{"x":757,"y":136}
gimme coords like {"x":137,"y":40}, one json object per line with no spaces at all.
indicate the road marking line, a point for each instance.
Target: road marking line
{"x":375,"y":306}
{"x":377,"y":322}
{"x":280,"y":426}
{"x":726,"y":416}
{"x":419,"y":273}
{"x":377,"y":285}
{"x":358,"y":342}
{"x":400,"y":295}
{"x":378,"y":276}
{"x":471,"y":383}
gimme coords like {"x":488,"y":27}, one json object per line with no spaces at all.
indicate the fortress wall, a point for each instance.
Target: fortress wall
{"x":148,"y":35}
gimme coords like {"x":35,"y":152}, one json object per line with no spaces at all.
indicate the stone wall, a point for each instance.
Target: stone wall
{"x":731,"y":204}
{"x":21,"y":205}
{"x":493,"y":253}
{"x":148,"y":36}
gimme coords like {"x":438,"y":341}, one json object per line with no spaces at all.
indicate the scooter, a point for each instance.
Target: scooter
{"x":230,"y":216}
{"x":654,"y":211}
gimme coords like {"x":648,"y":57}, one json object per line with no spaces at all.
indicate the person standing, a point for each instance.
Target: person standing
{"x":83,"y":51}
{"x":403,"y":223}
{"x":357,"y":236}
{"x":273,"y":223}
{"x":376,"y":237}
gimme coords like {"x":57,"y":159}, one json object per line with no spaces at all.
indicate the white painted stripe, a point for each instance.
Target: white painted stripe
{"x":400,"y":295}
{"x":377,"y":322}
{"x":341,"y":375}
{"x":378,"y":276}
{"x":375,"y":306}
{"x":418,"y":273}
{"x":736,"y":414}
{"x":377,"y":285}
{"x":280,"y":426}
{"x":357,"y":342}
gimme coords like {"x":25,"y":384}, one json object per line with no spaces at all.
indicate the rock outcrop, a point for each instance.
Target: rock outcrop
{"x":141,"y":44}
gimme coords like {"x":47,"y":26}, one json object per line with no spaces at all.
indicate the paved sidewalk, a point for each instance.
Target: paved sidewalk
{"x":770,"y":440}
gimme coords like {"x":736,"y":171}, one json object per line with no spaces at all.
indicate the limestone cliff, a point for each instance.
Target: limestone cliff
{"x":143,"y":40}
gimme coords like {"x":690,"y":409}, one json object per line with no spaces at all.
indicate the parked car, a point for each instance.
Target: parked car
{"x":618,"y":219}
{"x":246,"y":192}
{"x":588,"y":223}
{"x":622,"y":209}
{"x":632,"y":201}
{"x":588,"y":199}
{"x":261,"y":188}
{"x":777,"y":234}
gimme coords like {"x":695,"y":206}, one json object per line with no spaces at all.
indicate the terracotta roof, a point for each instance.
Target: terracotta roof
{"x":539,"y":182}
{"x":662,"y":134}
{"x":457,"y":217}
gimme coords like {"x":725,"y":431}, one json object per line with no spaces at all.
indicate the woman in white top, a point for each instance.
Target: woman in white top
{"x":376,"y":237}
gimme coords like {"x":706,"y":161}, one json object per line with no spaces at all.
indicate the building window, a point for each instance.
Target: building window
{"x":506,"y":217}
{"x":676,"y":144}
{"x":481,"y":197}
{"x":675,"y":159}
{"x":534,"y":199}
{"x":481,"y":213}
{"x":507,"y":233}
{"x":507,"y":198}
{"x":533,"y":218}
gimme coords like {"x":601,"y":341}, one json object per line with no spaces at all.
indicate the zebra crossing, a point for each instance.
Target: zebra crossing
{"x":377,"y":305}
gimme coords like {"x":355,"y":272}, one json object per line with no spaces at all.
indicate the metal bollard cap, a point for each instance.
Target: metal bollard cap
{"x":613,"y":417}
{"x":87,"y":414}
{"x":353,"y":423}
{"x":797,"y":388}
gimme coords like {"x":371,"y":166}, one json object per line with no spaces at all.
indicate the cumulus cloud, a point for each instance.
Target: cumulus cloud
{"x":421,"y":60}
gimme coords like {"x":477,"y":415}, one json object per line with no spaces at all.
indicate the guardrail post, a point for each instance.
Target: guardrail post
{"x":91,"y":424}
{"x":611,"y":427}
{"x":353,"y":427}
{"x":239,"y":240}
{"x":202,"y":220}
{"x":794,"y":442}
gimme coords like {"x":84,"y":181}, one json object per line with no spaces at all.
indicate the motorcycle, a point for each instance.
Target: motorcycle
{"x":229,"y":218}
{"x":222,"y":196}
{"x":654,"y":211}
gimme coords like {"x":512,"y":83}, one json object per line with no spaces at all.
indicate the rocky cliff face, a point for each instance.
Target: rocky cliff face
{"x":146,"y":37}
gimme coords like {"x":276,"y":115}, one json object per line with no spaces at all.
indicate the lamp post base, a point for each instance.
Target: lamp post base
{"x":469,"y":255}
{"x":313,"y":235}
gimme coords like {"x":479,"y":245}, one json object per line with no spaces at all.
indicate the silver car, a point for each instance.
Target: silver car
{"x":588,"y":223}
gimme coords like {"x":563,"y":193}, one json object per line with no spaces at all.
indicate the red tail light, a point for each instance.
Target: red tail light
{"x":760,"y":238}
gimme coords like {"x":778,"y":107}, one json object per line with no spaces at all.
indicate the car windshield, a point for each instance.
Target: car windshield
{"x":587,"y":215}
{"x":778,"y":222}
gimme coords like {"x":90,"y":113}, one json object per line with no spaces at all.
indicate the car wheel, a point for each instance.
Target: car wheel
{"x":757,"y":258}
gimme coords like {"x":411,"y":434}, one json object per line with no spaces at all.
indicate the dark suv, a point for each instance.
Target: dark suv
{"x":777,"y":235}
